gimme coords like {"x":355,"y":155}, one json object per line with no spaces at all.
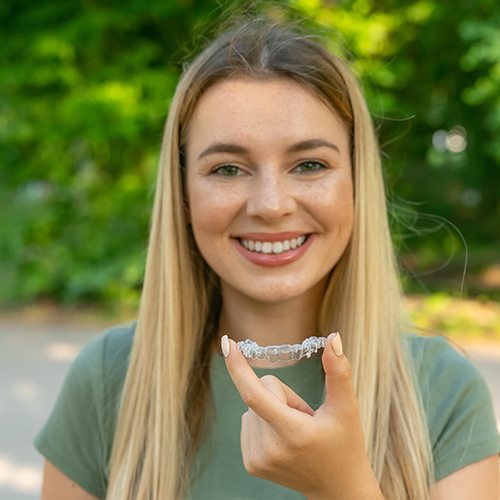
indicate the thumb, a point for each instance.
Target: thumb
{"x":340,"y":396}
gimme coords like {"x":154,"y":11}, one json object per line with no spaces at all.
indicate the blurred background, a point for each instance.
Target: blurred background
{"x":84,"y":92}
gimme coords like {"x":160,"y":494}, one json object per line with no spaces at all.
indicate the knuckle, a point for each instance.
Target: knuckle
{"x":299,"y":439}
{"x":272,"y":453}
{"x":249,"y":464}
{"x":248,"y":397}
{"x":344,"y":372}
{"x":255,"y":463}
{"x":269,"y":380}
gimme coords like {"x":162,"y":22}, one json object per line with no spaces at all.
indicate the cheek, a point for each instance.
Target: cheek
{"x":210,"y":212}
{"x":337,"y":204}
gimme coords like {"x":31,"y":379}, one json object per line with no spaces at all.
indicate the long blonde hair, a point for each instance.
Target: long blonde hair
{"x":167,"y":389}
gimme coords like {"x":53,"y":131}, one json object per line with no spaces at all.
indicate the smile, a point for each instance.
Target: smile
{"x":274,"y":247}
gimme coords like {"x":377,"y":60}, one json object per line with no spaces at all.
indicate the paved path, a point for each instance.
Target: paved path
{"x":33,"y":361}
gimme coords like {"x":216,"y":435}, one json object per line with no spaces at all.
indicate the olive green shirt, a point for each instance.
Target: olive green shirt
{"x":78,"y":435}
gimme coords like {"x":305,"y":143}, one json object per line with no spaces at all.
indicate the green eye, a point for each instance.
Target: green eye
{"x":227,"y":171}
{"x":310,"y":167}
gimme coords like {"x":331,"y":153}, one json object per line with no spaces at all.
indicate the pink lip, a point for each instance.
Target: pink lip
{"x":272,"y":260}
{"x":269,"y":236}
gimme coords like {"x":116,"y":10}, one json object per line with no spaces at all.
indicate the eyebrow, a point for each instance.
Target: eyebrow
{"x":220,"y":147}
{"x":312,"y":144}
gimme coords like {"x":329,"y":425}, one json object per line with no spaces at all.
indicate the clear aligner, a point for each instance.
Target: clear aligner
{"x":285,"y":352}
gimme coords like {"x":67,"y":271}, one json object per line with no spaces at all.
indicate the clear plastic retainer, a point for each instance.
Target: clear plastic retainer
{"x":285,"y":352}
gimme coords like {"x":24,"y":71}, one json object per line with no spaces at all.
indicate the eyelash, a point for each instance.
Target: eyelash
{"x":218,"y":170}
{"x":236,"y":171}
{"x":322,"y":166}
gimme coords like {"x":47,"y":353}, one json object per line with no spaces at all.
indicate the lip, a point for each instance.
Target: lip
{"x":271,"y":237}
{"x":273,"y":260}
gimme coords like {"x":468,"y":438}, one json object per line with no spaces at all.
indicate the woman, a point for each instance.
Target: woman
{"x":270,"y":224}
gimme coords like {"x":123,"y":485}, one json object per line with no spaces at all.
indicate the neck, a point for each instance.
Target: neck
{"x":285,"y":322}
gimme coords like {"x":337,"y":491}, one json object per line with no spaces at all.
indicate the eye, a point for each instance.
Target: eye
{"x":310,"y":167}
{"x":227,"y":171}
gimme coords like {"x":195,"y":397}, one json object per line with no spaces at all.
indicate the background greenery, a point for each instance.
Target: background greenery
{"x":85,"y":89}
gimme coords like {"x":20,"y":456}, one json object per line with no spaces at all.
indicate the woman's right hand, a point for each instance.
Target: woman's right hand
{"x":319,"y":453}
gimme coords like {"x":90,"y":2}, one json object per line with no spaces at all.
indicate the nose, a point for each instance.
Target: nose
{"x":271,"y":198}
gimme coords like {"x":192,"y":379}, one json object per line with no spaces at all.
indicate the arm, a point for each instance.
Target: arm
{"x":57,"y":485}
{"x":478,"y":480}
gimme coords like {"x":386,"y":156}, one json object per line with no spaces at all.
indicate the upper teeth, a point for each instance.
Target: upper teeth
{"x":273,"y":247}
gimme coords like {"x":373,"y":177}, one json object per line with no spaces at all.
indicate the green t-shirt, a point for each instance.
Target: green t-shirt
{"x":77,"y":437}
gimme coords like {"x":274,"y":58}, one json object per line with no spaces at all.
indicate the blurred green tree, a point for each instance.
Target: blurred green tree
{"x":431,"y":72}
{"x":84,"y":92}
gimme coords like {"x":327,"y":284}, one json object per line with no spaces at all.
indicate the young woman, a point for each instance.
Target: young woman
{"x":270,"y":224}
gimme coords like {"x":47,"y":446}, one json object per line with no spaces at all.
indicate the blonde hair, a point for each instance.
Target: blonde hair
{"x":166,"y":392}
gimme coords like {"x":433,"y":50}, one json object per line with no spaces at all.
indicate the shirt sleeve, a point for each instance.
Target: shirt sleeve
{"x":459,"y":409}
{"x":72,"y":439}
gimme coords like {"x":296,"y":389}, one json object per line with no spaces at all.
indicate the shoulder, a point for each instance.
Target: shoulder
{"x":77,"y":437}
{"x":456,"y":401}
{"x":107,"y":352}
{"x":99,"y":370}
{"x":436,"y":362}
{"x":427,"y":351}
{"x":444,"y":374}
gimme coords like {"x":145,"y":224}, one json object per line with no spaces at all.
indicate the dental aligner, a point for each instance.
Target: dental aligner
{"x":285,"y":352}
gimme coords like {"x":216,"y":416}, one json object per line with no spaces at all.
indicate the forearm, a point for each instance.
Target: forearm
{"x":363,"y":485}
{"x":362,"y":492}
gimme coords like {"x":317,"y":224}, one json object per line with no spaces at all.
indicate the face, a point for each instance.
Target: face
{"x":269,"y":187}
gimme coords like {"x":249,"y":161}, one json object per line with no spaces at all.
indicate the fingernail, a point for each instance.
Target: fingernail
{"x":336,"y":343}
{"x":225,"y":346}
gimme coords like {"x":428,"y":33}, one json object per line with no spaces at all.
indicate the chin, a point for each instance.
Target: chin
{"x":276,"y":293}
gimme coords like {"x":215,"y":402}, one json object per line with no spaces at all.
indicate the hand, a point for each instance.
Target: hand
{"x":320,"y":453}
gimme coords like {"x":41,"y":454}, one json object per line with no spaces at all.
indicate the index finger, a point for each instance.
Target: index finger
{"x":254,"y":394}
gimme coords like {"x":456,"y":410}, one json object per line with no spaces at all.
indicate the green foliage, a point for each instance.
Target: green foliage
{"x":84,"y":94}
{"x":429,"y":66}
{"x":460,"y":319}
{"x":85,"y":89}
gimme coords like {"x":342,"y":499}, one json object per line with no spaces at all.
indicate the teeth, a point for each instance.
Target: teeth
{"x":276,"y":247}
{"x":267,"y":247}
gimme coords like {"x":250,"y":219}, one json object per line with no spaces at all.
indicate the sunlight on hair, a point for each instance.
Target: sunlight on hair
{"x":23,"y":478}
{"x":62,"y":351}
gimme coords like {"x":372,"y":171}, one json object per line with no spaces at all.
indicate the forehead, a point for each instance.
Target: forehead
{"x":247,"y":108}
